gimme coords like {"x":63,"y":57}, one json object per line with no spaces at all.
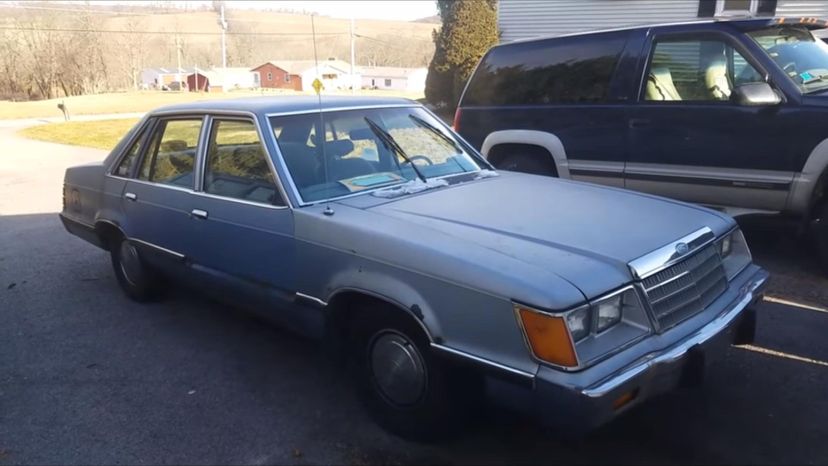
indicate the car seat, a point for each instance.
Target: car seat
{"x":660,"y":85}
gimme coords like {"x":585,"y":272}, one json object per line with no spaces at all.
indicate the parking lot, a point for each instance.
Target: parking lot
{"x":87,"y":376}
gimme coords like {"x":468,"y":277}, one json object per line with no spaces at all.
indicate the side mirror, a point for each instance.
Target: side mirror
{"x":756,"y":94}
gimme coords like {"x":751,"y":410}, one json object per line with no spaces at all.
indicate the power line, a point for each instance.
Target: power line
{"x":183,"y":33}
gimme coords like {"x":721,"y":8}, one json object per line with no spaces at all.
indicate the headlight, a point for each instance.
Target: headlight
{"x":587,"y":333}
{"x":734,"y":252}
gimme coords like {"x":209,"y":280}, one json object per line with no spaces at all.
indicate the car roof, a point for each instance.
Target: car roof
{"x":285,"y":104}
{"x":741,"y":23}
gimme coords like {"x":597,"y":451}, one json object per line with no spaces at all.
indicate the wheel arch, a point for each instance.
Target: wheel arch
{"x":542,"y":139}
{"x":107,"y":231}
{"x":810,"y":185}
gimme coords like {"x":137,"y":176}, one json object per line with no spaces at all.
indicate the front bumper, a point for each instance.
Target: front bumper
{"x":580,"y":402}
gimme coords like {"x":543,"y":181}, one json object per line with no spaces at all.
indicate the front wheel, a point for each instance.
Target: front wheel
{"x":405,"y":389}
{"x":135,"y":278}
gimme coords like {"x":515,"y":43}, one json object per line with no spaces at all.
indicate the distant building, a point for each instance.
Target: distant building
{"x":524,"y":19}
{"x":299,"y":74}
{"x":219,"y":79}
{"x":393,"y":78}
{"x":157,"y":78}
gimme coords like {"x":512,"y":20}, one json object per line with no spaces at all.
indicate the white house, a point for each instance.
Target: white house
{"x":155,"y":78}
{"x":524,"y":19}
{"x":395,"y":78}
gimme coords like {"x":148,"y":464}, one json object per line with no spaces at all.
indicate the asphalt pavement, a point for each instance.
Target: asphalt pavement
{"x":89,"y":377}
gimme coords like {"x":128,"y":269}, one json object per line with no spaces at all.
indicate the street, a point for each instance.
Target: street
{"x":90,"y":377}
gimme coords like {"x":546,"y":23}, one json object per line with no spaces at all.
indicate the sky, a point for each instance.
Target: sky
{"x":403,"y":10}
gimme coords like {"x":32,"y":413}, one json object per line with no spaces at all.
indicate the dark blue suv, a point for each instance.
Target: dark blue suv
{"x":729,"y":114}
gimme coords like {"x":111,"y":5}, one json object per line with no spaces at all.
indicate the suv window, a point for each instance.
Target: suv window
{"x":574,"y":69}
{"x":236,"y":164}
{"x":171,"y":157}
{"x":696,"y":70}
{"x":124,"y":168}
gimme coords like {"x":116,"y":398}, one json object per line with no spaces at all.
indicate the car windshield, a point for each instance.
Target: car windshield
{"x":367,"y":149}
{"x":801,"y":56}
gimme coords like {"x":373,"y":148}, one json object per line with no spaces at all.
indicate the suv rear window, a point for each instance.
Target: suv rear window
{"x":564,"y":70}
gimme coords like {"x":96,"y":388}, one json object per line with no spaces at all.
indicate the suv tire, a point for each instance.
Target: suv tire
{"x":528,"y":163}
{"x":136,"y":279}
{"x":403,"y":386}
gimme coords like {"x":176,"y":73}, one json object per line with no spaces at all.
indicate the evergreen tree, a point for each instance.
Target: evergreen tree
{"x":469,"y":28}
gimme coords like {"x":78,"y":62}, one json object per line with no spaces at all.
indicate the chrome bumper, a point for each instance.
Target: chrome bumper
{"x":580,"y":402}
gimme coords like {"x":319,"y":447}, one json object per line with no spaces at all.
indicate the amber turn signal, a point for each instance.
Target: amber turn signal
{"x":548,"y":337}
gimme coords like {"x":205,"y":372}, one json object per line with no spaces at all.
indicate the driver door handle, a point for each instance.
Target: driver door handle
{"x":130,"y":196}
{"x":198,"y":213}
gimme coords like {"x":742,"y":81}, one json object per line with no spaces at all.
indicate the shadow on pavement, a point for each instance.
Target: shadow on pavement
{"x":91,"y":377}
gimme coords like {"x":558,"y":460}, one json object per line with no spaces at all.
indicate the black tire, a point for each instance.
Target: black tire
{"x":427,"y":409}
{"x":138,"y":281}
{"x":527,"y":163}
{"x":820,"y":229}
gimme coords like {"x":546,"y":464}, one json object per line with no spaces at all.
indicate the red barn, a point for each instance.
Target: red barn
{"x":198,"y":82}
{"x":271,"y":75}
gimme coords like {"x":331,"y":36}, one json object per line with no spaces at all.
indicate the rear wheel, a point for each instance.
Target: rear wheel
{"x":136,"y":279}
{"x":404,"y":388}
{"x":526,"y":163}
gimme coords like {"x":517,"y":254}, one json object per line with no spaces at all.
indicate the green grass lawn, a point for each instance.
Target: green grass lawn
{"x":143,"y":101}
{"x":102,"y":134}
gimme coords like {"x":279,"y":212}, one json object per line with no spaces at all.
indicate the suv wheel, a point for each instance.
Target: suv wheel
{"x":404,"y":388}
{"x":135,"y":278}
{"x":525,"y":163}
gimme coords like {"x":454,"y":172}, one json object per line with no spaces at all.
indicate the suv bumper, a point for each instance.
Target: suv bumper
{"x":580,"y":402}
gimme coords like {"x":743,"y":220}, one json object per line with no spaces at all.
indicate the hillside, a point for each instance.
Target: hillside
{"x":114,"y":43}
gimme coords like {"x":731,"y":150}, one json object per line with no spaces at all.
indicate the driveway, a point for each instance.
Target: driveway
{"x":87,"y":376}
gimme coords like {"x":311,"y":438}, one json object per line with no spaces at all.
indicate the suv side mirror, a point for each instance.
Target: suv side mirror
{"x":754,"y":94}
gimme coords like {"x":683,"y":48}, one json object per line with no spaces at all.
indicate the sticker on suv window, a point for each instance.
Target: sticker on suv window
{"x":806,"y":76}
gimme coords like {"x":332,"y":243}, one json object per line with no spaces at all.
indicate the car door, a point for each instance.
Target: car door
{"x":158,"y":201}
{"x":689,"y":140}
{"x":243,"y":228}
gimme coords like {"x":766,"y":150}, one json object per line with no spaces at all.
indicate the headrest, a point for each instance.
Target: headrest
{"x":338,"y":148}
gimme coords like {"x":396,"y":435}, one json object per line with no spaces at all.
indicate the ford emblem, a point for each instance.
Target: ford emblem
{"x":682,"y":249}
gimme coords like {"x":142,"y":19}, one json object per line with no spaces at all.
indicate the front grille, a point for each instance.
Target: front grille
{"x":685,"y":289}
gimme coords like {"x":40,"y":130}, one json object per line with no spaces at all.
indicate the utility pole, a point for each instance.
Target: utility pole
{"x":353,"y":55}
{"x":178,"y":54}
{"x":223,"y":24}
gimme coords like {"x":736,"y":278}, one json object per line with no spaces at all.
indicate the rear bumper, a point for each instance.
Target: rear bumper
{"x":80,"y":229}
{"x":577,"y":403}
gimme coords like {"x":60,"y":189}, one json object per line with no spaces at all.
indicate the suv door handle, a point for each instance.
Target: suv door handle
{"x":198,"y":213}
{"x":131,"y":196}
{"x":639,"y":123}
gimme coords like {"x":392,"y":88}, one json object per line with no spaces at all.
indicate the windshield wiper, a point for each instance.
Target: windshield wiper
{"x":391,"y":144}
{"x":424,"y":124}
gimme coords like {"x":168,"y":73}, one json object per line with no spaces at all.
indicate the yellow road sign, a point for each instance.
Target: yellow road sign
{"x":317,"y":85}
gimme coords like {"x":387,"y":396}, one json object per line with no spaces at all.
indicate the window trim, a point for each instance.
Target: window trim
{"x":199,"y":176}
{"x":143,"y":130}
{"x":722,"y":12}
{"x":706,"y":34}
{"x":156,"y":123}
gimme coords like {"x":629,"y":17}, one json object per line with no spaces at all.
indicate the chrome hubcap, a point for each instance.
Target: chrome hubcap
{"x":130,"y":263}
{"x":398,"y":368}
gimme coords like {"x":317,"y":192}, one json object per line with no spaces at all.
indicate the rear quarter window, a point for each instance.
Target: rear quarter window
{"x":565,"y":70}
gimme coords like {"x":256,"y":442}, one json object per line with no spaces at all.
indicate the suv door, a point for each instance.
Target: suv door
{"x":689,"y":140}
{"x":158,"y":201}
{"x":243,"y":228}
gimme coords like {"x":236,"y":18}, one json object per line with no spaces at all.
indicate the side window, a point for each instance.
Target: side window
{"x":237,"y":164}
{"x":696,"y":70}
{"x":560,"y":70}
{"x":124,"y":168}
{"x":171,"y":155}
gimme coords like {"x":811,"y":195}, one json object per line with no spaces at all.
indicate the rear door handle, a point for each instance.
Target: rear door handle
{"x":131,"y":196}
{"x":198,"y":213}
{"x":639,"y":123}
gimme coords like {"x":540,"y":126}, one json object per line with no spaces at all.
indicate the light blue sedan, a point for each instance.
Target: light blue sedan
{"x":370,"y":225}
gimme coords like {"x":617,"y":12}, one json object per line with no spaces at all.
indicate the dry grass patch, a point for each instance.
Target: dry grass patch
{"x":101,"y":134}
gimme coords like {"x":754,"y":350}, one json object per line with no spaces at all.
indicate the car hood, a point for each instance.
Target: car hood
{"x":584,"y":233}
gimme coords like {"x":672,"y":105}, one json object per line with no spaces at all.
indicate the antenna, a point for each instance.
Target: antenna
{"x":317,"y":85}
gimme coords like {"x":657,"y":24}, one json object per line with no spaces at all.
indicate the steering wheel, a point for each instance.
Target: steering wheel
{"x":422,"y":158}
{"x":789,"y":68}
